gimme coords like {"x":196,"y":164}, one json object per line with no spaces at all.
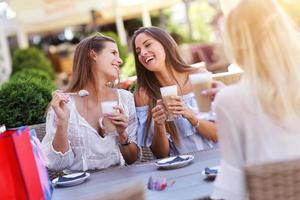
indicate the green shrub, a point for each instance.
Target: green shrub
{"x":24,"y":101}
{"x":132,"y":87}
{"x":32,"y":72}
{"x":31,"y":58}
{"x":128,"y":68}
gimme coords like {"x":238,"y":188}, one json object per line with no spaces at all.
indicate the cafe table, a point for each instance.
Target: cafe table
{"x":187,"y":182}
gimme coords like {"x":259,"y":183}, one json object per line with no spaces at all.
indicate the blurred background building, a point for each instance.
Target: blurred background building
{"x":56,"y":26}
{"x":38,"y":39}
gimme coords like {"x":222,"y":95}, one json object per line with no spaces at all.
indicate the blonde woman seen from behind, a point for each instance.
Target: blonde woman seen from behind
{"x":257,"y":119}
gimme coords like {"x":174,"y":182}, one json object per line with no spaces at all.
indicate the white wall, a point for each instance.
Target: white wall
{"x":5,"y":62}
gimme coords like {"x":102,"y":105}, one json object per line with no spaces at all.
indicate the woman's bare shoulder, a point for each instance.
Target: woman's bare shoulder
{"x":141,"y":98}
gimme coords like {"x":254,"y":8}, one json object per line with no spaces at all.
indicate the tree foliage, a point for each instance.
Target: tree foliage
{"x":200,"y":14}
{"x":31,"y":58}
{"x":24,"y":101}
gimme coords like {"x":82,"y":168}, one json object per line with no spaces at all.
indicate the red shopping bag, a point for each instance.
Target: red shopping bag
{"x":41,"y":163}
{"x":19,"y":178}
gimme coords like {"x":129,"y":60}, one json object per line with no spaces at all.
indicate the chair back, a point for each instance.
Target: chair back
{"x":40,"y":130}
{"x":280,"y":181}
{"x":199,"y":65}
{"x":228,"y":78}
{"x":147,"y":154}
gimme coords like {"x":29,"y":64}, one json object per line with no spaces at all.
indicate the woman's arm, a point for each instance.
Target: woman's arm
{"x":58,"y":160}
{"x":60,"y":141}
{"x":59,"y":104}
{"x":128,"y":148}
{"x":122,"y":123}
{"x":160,"y":144}
{"x":206,"y":128}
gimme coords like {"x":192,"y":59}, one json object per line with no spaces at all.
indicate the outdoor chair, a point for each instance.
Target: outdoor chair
{"x":198,"y":65}
{"x":230,"y":77}
{"x":280,"y":181}
{"x":40,"y":130}
{"x":147,"y":154}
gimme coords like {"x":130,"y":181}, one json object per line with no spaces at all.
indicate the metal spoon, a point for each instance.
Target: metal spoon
{"x":81,"y":93}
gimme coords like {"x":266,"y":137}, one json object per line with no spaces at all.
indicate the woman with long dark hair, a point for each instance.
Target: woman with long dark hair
{"x":159,"y":64}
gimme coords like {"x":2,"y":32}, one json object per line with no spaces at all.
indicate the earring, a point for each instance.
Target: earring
{"x":110,"y":84}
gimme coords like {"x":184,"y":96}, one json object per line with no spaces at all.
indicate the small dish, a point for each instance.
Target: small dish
{"x":70,"y":179}
{"x":210,"y":173}
{"x":174,"y":162}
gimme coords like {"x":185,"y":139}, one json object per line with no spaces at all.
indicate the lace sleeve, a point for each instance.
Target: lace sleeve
{"x":57,"y":160}
{"x":127,"y":102}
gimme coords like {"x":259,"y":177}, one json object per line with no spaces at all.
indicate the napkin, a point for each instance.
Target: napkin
{"x":64,"y":179}
{"x":177,"y":159}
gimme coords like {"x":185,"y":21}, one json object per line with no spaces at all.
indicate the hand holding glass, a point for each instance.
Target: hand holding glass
{"x":167,"y":93}
{"x":202,"y":81}
{"x":107,"y":108}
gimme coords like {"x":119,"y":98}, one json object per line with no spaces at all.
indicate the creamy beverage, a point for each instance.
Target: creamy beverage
{"x":202,"y":81}
{"x":107,"y":107}
{"x":166,"y":93}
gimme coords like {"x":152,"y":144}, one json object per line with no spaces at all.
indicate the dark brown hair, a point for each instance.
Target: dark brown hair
{"x":83,"y":72}
{"x":147,"y":81}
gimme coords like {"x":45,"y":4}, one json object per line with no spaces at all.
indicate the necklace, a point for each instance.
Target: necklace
{"x":181,"y":86}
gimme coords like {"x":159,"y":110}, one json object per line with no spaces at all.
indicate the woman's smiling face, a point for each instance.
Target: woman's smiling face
{"x":150,"y":52}
{"x":108,"y":61}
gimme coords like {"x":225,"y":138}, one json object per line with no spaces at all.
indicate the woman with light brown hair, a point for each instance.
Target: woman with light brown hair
{"x":75,"y":138}
{"x":258,"y":119}
{"x":159,"y":64}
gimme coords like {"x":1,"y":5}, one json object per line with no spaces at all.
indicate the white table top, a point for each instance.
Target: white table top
{"x":189,"y":182}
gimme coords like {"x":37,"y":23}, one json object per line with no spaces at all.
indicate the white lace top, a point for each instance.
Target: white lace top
{"x":88,"y":150}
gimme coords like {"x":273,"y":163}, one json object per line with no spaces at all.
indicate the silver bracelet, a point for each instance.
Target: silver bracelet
{"x":127,"y":142}
{"x":198,"y":124}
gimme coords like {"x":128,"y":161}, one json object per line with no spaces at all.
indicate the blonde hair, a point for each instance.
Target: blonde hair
{"x":265,"y":43}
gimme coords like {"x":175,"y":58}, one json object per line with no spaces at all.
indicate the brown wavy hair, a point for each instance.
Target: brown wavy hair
{"x":147,"y":81}
{"x":83,"y":72}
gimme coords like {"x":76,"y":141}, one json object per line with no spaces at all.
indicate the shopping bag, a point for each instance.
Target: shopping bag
{"x":19,"y":176}
{"x":41,"y":163}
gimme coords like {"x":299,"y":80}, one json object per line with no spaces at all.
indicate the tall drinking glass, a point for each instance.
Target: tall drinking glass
{"x":202,"y":81}
{"x":166,"y":93}
{"x":107,"y":107}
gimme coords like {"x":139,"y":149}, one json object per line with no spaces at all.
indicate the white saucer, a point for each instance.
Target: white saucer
{"x":165,"y":165}
{"x":77,"y":181}
{"x":212,"y":175}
